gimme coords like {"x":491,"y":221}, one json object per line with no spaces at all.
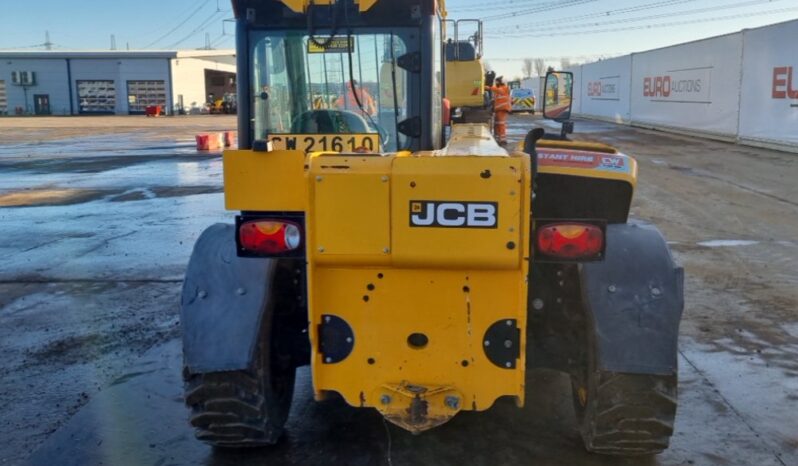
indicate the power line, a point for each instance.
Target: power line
{"x":547,"y":7}
{"x":219,"y":40}
{"x":643,"y":18}
{"x":207,"y":22}
{"x":620,"y":11}
{"x":158,"y":28}
{"x":660,"y":25}
{"x":171,"y":31}
{"x":496,"y":5}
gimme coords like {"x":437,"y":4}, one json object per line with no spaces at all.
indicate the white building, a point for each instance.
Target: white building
{"x":112,"y":82}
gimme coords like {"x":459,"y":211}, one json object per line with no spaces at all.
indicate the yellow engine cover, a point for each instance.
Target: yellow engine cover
{"x":436,"y":246}
{"x":416,"y":265}
{"x":465,"y":83}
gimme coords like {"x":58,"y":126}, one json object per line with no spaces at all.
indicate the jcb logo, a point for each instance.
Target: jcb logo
{"x":453,"y":214}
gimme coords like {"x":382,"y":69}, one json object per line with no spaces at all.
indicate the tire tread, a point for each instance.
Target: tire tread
{"x":630,"y":414}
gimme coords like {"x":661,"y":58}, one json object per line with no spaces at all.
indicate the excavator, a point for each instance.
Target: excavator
{"x":417,"y":273}
{"x":465,"y":72}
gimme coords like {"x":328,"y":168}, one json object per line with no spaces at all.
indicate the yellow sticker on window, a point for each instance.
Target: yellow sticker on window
{"x":326,"y":142}
{"x":326,"y":44}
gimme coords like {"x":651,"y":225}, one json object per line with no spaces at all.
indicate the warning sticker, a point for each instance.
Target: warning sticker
{"x":327,"y":44}
{"x":585,"y":160}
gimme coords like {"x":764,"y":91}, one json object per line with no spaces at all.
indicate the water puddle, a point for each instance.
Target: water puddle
{"x":723,"y":243}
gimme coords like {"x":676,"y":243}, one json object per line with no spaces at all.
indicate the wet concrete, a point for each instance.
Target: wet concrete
{"x":121,"y":429}
{"x":89,"y":331}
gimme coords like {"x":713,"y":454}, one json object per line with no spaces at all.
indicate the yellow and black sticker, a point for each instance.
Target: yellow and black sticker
{"x":524,"y":102}
{"x":327,"y":44}
{"x":369,"y":142}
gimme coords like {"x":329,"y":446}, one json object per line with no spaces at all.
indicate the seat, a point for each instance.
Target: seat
{"x":463,"y":50}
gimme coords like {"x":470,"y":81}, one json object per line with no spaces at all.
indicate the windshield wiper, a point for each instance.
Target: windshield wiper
{"x":395,"y":97}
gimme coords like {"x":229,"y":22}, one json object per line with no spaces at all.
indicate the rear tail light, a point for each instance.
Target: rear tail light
{"x":269,"y":237}
{"x":570,"y":240}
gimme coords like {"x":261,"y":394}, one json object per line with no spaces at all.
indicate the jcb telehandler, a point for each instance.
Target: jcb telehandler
{"x":416,"y":276}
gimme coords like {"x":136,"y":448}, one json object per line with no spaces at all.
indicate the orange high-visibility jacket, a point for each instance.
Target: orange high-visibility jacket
{"x":348,"y":100}
{"x":501,"y":98}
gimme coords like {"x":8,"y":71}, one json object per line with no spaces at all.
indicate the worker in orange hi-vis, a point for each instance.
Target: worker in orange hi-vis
{"x":348,"y":101}
{"x":501,"y":108}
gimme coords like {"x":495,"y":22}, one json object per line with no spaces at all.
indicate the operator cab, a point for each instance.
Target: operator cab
{"x":464,"y":40}
{"x":329,"y":77}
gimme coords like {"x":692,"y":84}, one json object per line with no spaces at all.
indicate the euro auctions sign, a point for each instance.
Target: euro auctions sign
{"x":783,"y":86}
{"x":606,"y":88}
{"x":680,"y":86}
{"x":769,"y":98}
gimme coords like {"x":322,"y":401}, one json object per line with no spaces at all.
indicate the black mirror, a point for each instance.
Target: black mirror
{"x":557,"y":95}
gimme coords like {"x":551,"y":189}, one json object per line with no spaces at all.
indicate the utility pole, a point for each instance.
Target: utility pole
{"x":113,"y":42}
{"x":47,"y":44}
{"x":207,"y":41}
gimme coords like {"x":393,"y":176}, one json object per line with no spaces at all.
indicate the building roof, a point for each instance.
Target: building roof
{"x":62,"y":54}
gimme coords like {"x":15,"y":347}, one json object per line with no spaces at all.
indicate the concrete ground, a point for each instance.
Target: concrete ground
{"x":97,"y":220}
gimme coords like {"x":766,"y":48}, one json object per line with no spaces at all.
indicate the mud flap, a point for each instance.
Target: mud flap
{"x":634,"y":299}
{"x":224,"y":299}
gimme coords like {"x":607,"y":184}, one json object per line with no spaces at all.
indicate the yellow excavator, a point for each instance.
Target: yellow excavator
{"x":465,"y":72}
{"x":416,"y":275}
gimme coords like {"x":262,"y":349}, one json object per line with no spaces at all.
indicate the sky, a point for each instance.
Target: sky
{"x":576,"y":30}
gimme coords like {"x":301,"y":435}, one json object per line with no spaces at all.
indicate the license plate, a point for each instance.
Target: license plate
{"x":326,"y":142}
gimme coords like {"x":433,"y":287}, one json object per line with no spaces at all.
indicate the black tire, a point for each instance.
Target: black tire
{"x":240,"y":409}
{"x":625,"y":414}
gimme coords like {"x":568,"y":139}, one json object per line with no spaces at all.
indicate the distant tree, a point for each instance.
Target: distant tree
{"x":565,"y":63}
{"x":526,"y":69}
{"x":540,"y":66}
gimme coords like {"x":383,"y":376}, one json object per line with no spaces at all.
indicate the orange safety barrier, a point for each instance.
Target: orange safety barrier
{"x":210,"y":141}
{"x":231,"y":139}
{"x":153,"y":110}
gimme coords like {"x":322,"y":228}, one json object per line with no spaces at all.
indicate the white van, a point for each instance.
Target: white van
{"x":523,"y":100}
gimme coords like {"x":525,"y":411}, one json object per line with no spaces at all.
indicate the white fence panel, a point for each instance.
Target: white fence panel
{"x":605,"y":89}
{"x":770,"y":85}
{"x":694,"y":87}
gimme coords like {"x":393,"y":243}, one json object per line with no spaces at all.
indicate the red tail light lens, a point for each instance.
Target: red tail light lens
{"x":570,"y":240}
{"x":269,"y":236}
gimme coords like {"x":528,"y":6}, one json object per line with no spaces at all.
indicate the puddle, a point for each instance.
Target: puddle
{"x":105,"y":144}
{"x":723,"y":243}
{"x":36,"y":197}
{"x":758,"y":390}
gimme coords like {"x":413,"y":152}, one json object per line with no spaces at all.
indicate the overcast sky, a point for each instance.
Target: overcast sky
{"x":580,"y":30}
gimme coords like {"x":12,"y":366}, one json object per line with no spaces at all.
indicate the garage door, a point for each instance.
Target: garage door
{"x":3,"y":98}
{"x":97,"y":96}
{"x":142,"y":94}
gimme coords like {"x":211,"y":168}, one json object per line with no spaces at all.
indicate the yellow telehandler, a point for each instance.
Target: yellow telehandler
{"x":416,"y":276}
